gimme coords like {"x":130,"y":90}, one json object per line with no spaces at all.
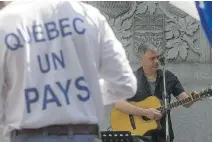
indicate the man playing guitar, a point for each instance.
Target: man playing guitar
{"x":150,"y":82}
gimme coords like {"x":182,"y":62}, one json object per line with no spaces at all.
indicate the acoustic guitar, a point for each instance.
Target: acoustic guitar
{"x":140,"y":125}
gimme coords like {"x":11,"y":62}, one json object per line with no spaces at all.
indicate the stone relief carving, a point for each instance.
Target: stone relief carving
{"x":134,"y":23}
{"x":119,"y":15}
{"x":114,"y":9}
{"x":146,"y":6}
{"x":179,"y":30}
{"x":179,"y":35}
{"x":149,"y":26}
{"x":170,"y":10}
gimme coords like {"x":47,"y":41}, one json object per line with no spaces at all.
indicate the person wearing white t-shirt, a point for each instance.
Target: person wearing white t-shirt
{"x":52,"y":56}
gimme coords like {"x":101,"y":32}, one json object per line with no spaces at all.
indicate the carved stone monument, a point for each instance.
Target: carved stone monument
{"x":181,"y":40}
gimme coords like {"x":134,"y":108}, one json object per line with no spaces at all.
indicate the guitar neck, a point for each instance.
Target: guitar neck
{"x":180,"y":102}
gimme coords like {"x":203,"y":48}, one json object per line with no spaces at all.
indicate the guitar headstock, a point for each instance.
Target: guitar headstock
{"x":206,"y":93}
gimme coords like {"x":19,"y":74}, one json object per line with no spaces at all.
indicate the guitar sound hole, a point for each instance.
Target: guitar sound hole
{"x":145,"y":118}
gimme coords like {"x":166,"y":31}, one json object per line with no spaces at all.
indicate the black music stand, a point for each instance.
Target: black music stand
{"x":116,"y":136}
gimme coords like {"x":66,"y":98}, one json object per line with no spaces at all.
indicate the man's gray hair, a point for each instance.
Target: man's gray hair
{"x":143,"y":48}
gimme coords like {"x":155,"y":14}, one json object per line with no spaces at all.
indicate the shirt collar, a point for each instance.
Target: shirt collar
{"x":159,"y":72}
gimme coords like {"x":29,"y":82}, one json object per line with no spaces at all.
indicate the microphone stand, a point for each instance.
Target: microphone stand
{"x":165,"y":97}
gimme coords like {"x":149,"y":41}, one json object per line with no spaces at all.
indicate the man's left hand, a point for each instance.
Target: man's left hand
{"x":194,"y":96}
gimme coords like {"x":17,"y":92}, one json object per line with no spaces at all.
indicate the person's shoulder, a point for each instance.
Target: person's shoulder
{"x":90,"y":9}
{"x":167,"y":72}
{"x":170,"y":74}
{"x":7,"y":11}
{"x":93,"y":13}
{"x":10,"y":15}
{"x":16,"y":9}
{"x":88,"y":6}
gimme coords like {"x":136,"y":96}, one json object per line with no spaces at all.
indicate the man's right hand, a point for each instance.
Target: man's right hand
{"x":153,"y":114}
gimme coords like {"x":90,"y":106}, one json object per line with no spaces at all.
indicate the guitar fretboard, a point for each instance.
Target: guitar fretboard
{"x":180,"y":102}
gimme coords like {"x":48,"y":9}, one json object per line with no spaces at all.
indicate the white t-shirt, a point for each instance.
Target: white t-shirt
{"x":52,"y":56}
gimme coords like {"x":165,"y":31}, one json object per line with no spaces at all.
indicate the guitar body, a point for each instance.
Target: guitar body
{"x":137,"y":125}
{"x":140,"y":125}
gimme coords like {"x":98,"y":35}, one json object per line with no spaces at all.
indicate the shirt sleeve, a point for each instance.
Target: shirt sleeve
{"x":118,"y":81}
{"x":177,"y":87}
{"x":2,"y":78}
{"x":2,"y":57}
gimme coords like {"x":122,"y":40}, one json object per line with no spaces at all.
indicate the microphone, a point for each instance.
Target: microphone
{"x":162,"y":60}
